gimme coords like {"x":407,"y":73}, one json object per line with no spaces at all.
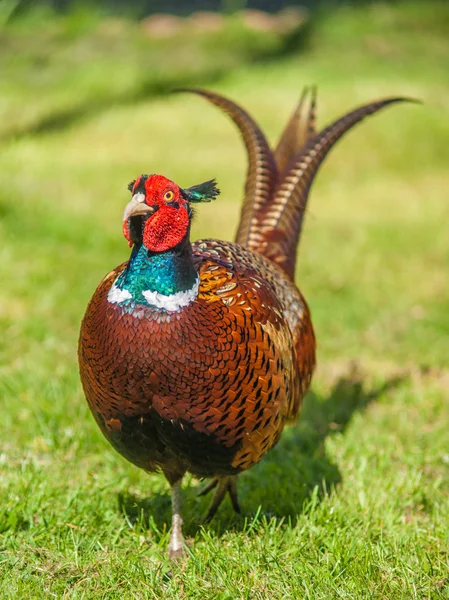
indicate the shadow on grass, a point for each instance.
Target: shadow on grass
{"x":65,"y":118}
{"x":284,"y":481}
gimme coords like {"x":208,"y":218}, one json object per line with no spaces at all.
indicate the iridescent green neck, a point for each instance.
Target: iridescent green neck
{"x":165,"y":273}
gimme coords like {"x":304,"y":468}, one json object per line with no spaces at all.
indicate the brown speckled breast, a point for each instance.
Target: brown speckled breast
{"x":208,"y":388}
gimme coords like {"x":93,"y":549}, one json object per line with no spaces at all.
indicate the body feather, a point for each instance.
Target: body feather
{"x":228,"y":371}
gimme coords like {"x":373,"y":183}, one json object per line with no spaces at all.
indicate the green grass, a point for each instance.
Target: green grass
{"x":81,"y":64}
{"x":354,"y":501}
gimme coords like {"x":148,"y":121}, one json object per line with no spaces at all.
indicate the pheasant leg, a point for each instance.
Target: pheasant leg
{"x":222,"y":486}
{"x":176,"y":546}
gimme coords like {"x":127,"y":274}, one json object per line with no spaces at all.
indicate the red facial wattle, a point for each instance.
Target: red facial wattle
{"x":166,"y":228}
{"x":127,"y":235}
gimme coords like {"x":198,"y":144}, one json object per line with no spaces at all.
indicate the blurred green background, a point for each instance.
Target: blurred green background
{"x":355,"y":499}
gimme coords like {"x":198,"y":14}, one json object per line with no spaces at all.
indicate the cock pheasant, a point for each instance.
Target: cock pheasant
{"x":193,"y":356}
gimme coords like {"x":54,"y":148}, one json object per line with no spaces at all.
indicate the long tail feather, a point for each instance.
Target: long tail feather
{"x":282,"y":223}
{"x":299,"y":130}
{"x":262,"y":173}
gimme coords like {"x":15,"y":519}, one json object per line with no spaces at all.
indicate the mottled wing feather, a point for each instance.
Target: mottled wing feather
{"x":287,"y":305}
{"x":256,"y":401}
{"x":262,"y":173}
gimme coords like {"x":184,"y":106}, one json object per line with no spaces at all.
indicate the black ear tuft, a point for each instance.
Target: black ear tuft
{"x":131,"y":185}
{"x":203,"y":192}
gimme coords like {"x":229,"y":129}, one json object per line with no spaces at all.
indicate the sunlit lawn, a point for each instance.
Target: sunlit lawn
{"x":354,"y":501}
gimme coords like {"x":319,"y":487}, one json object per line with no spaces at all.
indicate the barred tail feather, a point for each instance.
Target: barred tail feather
{"x":282,"y":222}
{"x":299,"y":130}
{"x":261,"y":176}
{"x":278,"y":183}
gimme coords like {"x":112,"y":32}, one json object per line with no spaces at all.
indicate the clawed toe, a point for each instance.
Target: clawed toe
{"x":222,"y":486}
{"x":208,"y":487}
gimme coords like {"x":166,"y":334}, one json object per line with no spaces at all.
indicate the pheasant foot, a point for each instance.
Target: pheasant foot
{"x":222,"y":486}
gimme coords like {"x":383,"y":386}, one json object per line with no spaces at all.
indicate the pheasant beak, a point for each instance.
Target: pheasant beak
{"x":137,"y":207}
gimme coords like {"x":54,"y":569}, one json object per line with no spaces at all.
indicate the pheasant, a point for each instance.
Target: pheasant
{"x":194,"y":356}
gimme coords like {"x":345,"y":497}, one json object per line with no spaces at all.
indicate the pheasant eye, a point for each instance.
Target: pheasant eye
{"x":168,"y":196}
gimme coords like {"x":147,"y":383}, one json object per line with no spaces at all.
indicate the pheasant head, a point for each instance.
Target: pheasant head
{"x":156,"y":223}
{"x":159,"y":213}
